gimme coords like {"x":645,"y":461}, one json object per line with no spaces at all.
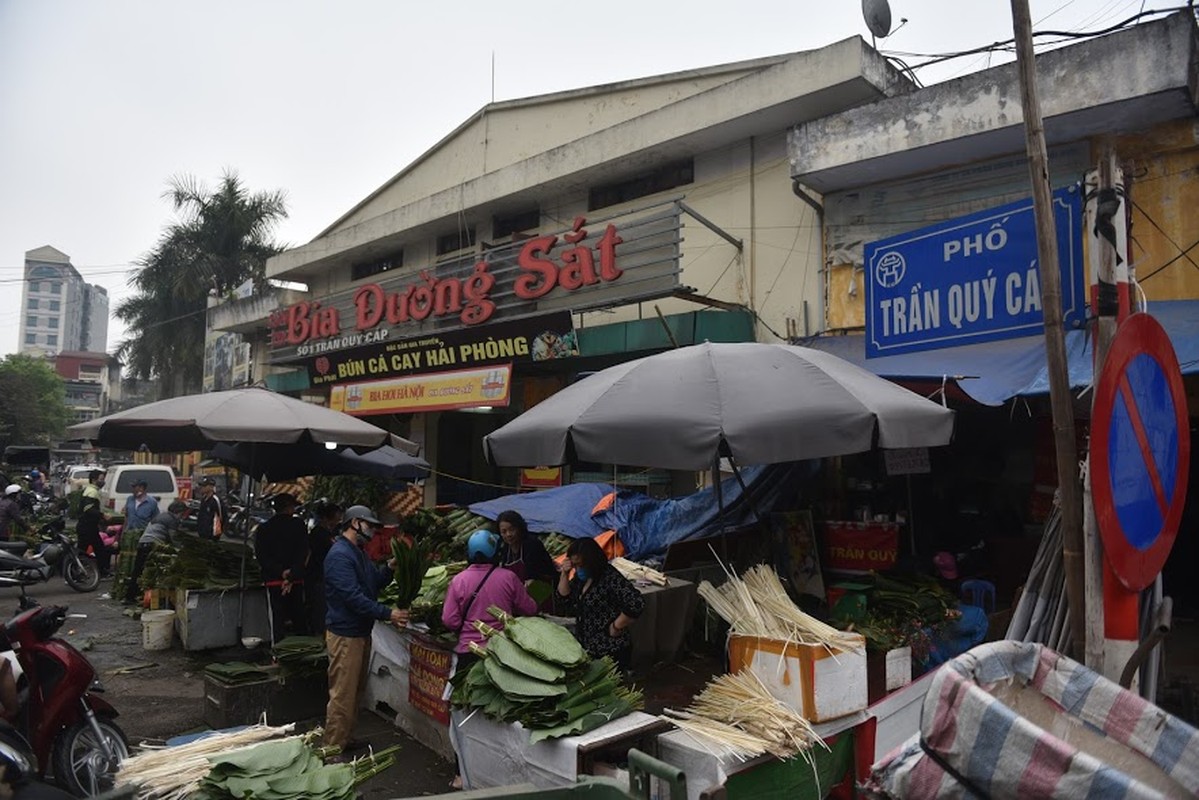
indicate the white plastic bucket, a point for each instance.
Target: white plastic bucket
{"x":158,"y":630}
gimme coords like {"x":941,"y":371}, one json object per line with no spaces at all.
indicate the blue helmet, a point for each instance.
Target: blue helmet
{"x":481,"y":546}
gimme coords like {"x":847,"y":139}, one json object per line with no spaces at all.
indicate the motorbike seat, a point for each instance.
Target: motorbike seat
{"x":16,"y":548}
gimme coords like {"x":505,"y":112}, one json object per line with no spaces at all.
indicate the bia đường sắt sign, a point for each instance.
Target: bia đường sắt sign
{"x":971,"y":279}
{"x":621,"y":259}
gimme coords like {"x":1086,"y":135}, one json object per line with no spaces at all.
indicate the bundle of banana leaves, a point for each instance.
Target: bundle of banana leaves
{"x":286,"y":769}
{"x":462,"y":524}
{"x":900,"y":611}
{"x":427,"y":606}
{"x":555,"y":544}
{"x":195,"y":563}
{"x":536,"y":673}
{"x":301,"y":656}
{"x":412,"y":561}
{"x":235,"y":673}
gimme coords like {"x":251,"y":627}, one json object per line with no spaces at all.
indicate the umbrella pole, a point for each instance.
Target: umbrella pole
{"x":718,"y":489}
{"x":241,"y":580}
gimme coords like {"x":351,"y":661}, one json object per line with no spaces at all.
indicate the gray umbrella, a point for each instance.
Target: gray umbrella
{"x":198,"y":421}
{"x":280,"y":462}
{"x":758,"y":403}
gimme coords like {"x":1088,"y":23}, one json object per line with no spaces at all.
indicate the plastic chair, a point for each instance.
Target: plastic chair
{"x":980,"y":593}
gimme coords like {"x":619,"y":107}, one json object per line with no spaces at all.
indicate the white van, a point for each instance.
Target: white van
{"x":118,"y":485}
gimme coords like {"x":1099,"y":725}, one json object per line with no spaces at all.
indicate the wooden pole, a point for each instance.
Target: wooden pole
{"x":1055,"y":337}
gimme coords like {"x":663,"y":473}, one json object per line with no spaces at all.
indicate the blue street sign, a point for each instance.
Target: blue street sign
{"x":970,"y":279}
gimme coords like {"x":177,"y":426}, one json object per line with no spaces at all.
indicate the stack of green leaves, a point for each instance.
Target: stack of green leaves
{"x":426,"y":607}
{"x":235,"y":673}
{"x":301,"y":656}
{"x":195,"y":563}
{"x":536,"y":673}
{"x":555,"y":544}
{"x":276,"y":770}
{"x":462,"y":524}
{"x":412,"y":561}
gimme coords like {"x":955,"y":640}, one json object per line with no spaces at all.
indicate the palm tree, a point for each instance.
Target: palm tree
{"x":221,"y":239}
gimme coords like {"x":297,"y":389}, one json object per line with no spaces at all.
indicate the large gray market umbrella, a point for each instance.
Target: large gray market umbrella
{"x":281,"y":462}
{"x":758,"y":403}
{"x":198,"y":421}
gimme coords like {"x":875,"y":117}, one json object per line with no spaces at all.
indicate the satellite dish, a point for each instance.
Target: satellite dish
{"x":878,"y":17}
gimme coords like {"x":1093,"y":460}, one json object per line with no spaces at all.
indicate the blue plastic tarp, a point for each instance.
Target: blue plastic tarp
{"x":994,"y":372}
{"x":647,"y":526}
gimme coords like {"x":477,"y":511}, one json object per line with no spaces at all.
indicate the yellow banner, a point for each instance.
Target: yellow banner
{"x":441,"y":391}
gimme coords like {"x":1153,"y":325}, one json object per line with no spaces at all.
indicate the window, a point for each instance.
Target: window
{"x":31,"y":338}
{"x":375,"y":266}
{"x":52,"y":339}
{"x":52,"y":322}
{"x":659,"y":180}
{"x":157,"y":480}
{"x":55,"y":305}
{"x":31,"y":322}
{"x":32,"y":305}
{"x":55,"y":287}
{"x":453,"y":242}
{"x":516,"y":223}
{"x":34,"y":286}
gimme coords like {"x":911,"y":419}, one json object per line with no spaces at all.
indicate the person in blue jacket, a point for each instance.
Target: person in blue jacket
{"x":352,"y":585}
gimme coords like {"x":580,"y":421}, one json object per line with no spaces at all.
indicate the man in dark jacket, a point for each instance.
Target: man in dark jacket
{"x":352,"y":585}
{"x":281,"y":545}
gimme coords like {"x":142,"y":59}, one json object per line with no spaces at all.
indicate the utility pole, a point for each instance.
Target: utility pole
{"x":1055,"y":336}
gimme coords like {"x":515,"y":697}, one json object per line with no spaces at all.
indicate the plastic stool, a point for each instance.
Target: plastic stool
{"x":980,"y":593}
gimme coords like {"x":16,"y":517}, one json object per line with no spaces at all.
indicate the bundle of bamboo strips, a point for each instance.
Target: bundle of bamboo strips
{"x":174,"y":773}
{"x":758,"y":605}
{"x":736,"y":715}
{"x":638,"y":572}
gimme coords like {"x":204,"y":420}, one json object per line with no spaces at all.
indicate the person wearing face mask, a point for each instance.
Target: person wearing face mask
{"x":352,"y":585}
{"x":140,"y":508}
{"x":605,"y":603}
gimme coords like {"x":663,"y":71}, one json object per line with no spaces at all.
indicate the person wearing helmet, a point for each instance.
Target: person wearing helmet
{"x":281,"y":546}
{"x":10,"y":511}
{"x":478,"y":587}
{"x":472,"y":592}
{"x":352,"y":585}
{"x":36,"y":482}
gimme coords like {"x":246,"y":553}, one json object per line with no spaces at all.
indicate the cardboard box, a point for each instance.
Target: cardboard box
{"x":817,"y":683}
{"x":887,"y":672}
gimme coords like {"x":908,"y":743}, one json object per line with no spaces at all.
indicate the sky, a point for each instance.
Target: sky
{"x":101,"y":103}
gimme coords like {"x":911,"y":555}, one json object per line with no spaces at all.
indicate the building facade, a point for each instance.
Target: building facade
{"x":554,"y":235}
{"x":92,"y":382}
{"x":59,"y":309}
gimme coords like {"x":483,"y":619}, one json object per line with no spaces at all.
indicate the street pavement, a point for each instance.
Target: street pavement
{"x":160,"y":694}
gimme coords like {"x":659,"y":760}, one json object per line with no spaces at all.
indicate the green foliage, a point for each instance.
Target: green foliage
{"x":221,"y":239}
{"x":34,"y":409}
{"x":350,"y":490}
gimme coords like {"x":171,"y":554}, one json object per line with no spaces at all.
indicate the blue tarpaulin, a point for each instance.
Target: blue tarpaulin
{"x":647,"y":526}
{"x":994,"y":372}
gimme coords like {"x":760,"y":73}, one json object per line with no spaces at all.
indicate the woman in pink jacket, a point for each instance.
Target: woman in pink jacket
{"x":481,"y":585}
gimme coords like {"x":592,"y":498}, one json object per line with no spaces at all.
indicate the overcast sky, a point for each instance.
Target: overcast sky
{"x":101,"y":102}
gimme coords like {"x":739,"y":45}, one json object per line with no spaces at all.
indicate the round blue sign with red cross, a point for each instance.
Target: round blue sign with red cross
{"x":1140,"y":451}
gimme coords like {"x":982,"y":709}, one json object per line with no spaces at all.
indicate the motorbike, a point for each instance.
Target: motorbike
{"x":18,"y":768}
{"x":56,"y":551}
{"x":72,"y":730}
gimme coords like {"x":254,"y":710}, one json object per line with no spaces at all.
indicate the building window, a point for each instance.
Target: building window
{"x":52,"y":339}
{"x":375,"y":266}
{"x":32,"y":305}
{"x":34,"y":286}
{"x":31,"y":338}
{"x":55,"y":305}
{"x":52,"y":322}
{"x":516,"y":223}
{"x":30,"y":322}
{"x":458,"y":240}
{"x":55,"y":287}
{"x":660,"y":180}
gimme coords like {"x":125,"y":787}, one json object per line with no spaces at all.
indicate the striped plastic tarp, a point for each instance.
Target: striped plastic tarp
{"x":972,"y":744}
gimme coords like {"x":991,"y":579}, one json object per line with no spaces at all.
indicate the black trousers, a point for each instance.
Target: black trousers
{"x":133,"y":587}
{"x":288,"y":608}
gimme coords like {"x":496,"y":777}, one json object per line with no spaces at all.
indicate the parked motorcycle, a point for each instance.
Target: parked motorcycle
{"x":56,"y":551}
{"x":72,"y":729}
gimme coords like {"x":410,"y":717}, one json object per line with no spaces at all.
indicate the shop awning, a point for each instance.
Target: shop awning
{"x":991,"y":373}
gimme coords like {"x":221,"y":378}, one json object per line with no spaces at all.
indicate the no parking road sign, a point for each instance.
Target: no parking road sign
{"x":1140,"y":452}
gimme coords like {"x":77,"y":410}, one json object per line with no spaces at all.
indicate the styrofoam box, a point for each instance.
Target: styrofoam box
{"x":899,"y":668}
{"x":818,"y":683}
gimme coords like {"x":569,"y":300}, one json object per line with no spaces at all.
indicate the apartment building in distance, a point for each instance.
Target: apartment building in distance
{"x":59,"y":309}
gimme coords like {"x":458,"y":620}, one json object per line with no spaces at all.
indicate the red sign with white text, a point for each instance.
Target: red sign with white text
{"x":623,"y":258}
{"x":860,"y":546}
